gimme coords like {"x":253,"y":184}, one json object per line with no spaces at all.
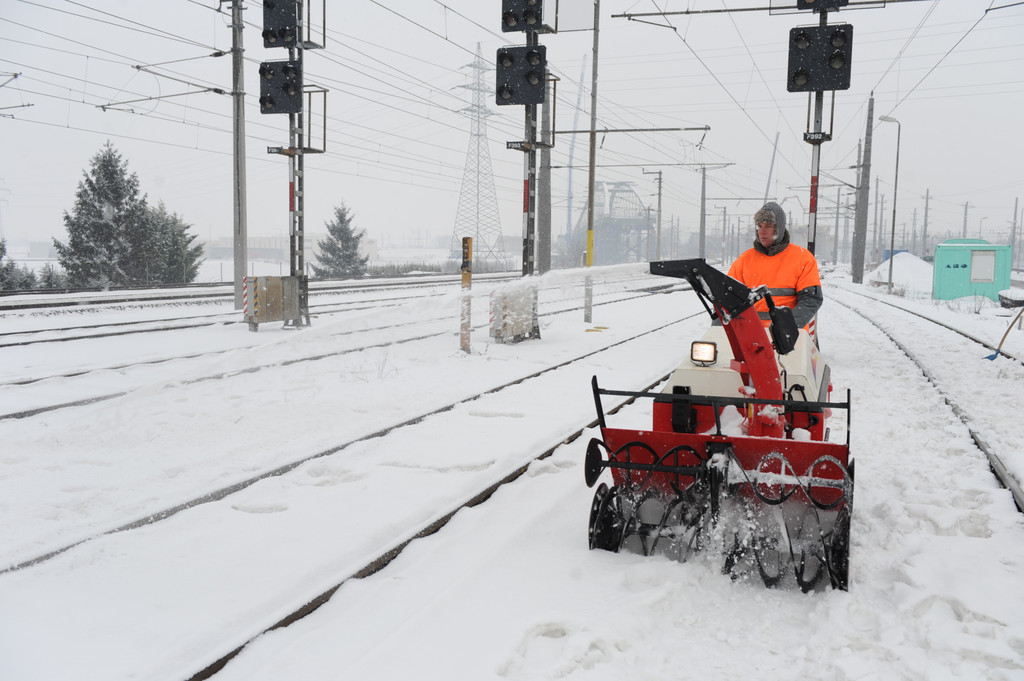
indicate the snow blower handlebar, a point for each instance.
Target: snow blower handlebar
{"x":730,"y":298}
{"x":727,"y":295}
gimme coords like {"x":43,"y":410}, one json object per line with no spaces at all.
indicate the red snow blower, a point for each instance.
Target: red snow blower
{"x":738,"y":461}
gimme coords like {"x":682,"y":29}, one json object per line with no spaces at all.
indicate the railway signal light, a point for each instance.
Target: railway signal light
{"x":280,"y":23}
{"x":521,"y":15}
{"x":522,"y":72}
{"x":821,"y":4}
{"x":280,"y":87}
{"x":820,"y":58}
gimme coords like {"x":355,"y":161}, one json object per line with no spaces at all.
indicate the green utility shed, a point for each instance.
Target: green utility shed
{"x":970,"y":267}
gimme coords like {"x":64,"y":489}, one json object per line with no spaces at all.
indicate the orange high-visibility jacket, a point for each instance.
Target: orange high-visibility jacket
{"x":785,"y":273}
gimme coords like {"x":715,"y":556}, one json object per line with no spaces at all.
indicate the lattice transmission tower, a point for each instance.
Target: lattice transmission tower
{"x":478,"y":215}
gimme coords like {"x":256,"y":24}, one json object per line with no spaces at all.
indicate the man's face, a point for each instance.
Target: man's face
{"x":766,"y":233}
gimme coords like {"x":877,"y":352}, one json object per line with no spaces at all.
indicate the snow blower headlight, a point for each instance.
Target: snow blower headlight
{"x":703,"y":354}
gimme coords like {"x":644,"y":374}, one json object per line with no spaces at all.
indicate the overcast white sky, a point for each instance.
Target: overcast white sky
{"x":397,"y":133}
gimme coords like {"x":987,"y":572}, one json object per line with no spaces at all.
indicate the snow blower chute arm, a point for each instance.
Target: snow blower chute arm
{"x":728,"y":296}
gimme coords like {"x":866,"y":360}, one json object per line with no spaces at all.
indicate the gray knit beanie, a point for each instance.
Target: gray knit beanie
{"x":773,"y":213}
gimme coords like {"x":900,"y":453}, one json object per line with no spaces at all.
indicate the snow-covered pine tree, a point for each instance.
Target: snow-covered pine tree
{"x":12,"y":277}
{"x":51,"y":277}
{"x":338,"y":252}
{"x":180,"y":258}
{"x":115,"y":238}
{"x":104,"y":225}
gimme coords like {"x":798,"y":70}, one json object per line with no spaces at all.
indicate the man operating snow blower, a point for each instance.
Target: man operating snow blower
{"x":789,"y":271}
{"x":738,"y":460}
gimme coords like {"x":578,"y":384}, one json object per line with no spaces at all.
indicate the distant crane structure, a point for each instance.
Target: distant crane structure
{"x":622,"y":227}
{"x":477,"y":215}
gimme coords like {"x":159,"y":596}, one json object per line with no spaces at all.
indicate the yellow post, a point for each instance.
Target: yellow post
{"x":467,"y":283}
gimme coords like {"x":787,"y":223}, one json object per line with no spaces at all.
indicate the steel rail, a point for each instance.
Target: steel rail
{"x":219,"y":376}
{"x":281,"y":470}
{"x":937,"y":322}
{"x":995,"y":462}
{"x":386,"y":557}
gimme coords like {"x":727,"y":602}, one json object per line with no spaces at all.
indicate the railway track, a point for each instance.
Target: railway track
{"x":324,"y":300}
{"x":948,"y":327}
{"x":219,"y":494}
{"x":104,"y":330}
{"x":389,"y":332}
{"x":385,"y":557}
{"x":487,"y":470}
{"x":919,"y":345}
{"x":71,"y":332}
{"x":443,"y":324}
{"x":39,"y":299}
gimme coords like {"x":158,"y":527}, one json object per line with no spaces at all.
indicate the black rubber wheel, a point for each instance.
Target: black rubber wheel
{"x":606,"y":520}
{"x":839,"y":550}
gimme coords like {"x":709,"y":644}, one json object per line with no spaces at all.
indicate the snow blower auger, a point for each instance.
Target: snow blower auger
{"x":737,"y":463}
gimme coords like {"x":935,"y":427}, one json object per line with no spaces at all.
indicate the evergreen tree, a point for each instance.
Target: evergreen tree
{"x":107,"y":209}
{"x":12,"y":277}
{"x":180,"y":257}
{"x":115,"y":238}
{"x":338,"y":252}
{"x":52,"y":278}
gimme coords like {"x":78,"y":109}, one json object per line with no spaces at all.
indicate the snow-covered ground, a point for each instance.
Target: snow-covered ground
{"x":508,"y":589}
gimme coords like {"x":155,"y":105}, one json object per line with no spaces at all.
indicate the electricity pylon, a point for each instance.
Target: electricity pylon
{"x":477,"y":215}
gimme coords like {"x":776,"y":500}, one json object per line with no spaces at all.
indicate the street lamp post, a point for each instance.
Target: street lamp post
{"x":895,"y":184}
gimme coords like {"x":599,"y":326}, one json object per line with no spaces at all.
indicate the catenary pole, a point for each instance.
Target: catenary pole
{"x":543,"y":249}
{"x":240,"y":230}
{"x":860,"y":221}
{"x":924,"y":228}
{"x":588,"y":296}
